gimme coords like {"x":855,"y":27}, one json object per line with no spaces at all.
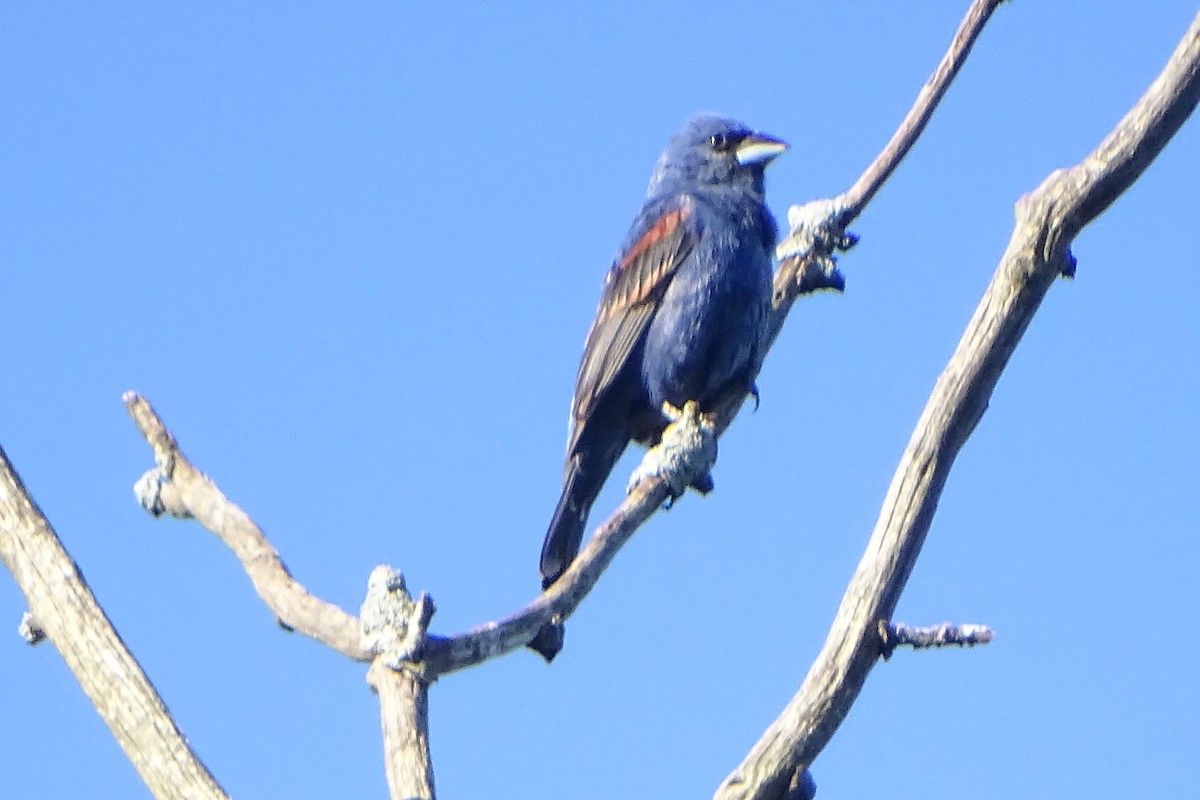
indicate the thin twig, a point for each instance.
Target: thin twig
{"x":855,"y":199}
{"x":898,"y":634}
{"x":818,"y":230}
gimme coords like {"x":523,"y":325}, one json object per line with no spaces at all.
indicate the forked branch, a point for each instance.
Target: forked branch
{"x":1048,"y":219}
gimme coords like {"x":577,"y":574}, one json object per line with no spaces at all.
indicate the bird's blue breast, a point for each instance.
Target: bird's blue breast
{"x":706,"y":336}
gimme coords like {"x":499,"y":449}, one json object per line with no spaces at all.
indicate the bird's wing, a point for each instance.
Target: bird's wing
{"x":662,"y":238}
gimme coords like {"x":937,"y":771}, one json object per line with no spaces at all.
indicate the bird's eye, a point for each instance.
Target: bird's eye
{"x":720,"y":142}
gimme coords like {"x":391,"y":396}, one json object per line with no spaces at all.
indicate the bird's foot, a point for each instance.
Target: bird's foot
{"x":685,"y":455}
{"x":807,"y":260}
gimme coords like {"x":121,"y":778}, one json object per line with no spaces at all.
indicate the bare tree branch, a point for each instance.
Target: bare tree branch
{"x":682,"y":458}
{"x":806,"y":255}
{"x":855,"y":199}
{"x":404,"y":660}
{"x":1047,"y":221}
{"x":176,"y":487}
{"x":897,"y":634}
{"x":444,"y":655}
{"x":67,"y":613}
{"x":391,"y":630}
{"x":394,"y":626}
{"x":179,"y":489}
{"x":404,"y":717}
{"x":818,"y":229}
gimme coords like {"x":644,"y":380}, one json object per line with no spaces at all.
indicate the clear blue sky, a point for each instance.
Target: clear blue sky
{"x":350,"y":253}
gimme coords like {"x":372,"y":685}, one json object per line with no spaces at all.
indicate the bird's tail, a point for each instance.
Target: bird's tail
{"x":585,"y":475}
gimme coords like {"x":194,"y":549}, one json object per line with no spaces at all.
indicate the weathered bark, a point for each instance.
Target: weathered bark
{"x":404,"y":717}
{"x":394,"y":626}
{"x":65,"y":611}
{"x":1048,"y":219}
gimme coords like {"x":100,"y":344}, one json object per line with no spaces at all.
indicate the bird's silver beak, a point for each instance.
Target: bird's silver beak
{"x":758,"y":148}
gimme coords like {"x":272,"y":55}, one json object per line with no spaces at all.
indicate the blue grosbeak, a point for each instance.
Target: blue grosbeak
{"x":682,"y":317}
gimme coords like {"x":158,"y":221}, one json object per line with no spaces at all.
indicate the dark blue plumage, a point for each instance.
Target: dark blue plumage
{"x":682,"y":316}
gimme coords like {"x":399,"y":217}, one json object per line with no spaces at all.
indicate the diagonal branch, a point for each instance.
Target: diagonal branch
{"x":492,"y":639}
{"x":855,"y":199}
{"x":1048,"y":219}
{"x":66,"y":612}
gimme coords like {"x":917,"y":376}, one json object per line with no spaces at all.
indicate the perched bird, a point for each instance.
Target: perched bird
{"x":682,"y":317}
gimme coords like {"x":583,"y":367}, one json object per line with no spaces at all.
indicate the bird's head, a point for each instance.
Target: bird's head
{"x":715,"y":151}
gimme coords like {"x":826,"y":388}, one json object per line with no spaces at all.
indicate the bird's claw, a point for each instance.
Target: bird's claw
{"x":807,"y":260}
{"x":816,"y":223}
{"x":847,"y":242}
{"x":685,"y":455}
